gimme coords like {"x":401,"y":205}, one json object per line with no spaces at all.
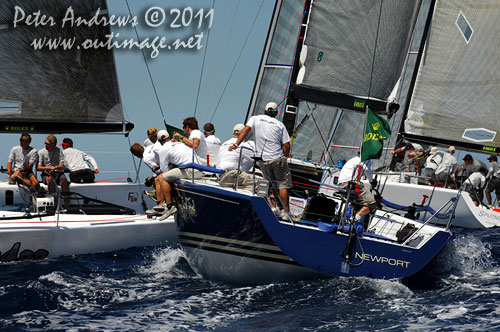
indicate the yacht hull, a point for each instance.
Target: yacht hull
{"x":467,"y":214}
{"x":235,"y":237}
{"x":48,"y":237}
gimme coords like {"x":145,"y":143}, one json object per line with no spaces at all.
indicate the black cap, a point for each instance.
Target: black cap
{"x":492,"y":157}
{"x":467,"y":157}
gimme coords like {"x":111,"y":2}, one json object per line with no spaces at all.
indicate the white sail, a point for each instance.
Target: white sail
{"x":455,"y":97}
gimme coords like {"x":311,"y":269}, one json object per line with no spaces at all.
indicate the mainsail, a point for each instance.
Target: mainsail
{"x":455,"y":100}
{"x":58,"y":90}
{"x":350,"y":54}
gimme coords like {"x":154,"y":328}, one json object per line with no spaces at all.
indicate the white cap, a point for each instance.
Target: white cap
{"x":434,"y":149}
{"x":238,"y":128}
{"x":271,"y":105}
{"x":162,"y":135}
{"x":451,"y":149}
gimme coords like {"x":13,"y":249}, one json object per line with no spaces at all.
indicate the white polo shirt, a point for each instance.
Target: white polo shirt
{"x":269,"y":136}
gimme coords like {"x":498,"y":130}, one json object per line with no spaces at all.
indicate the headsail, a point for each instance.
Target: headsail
{"x":356,"y":49}
{"x":58,"y":90}
{"x":455,"y":97}
{"x":276,"y":66}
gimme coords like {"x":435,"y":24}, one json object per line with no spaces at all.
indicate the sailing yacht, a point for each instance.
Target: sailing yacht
{"x":66,"y":91}
{"x":232,"y":234}
{"x":453,"y":101}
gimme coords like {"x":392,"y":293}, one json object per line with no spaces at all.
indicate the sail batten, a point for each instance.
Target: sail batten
{"x":74,"y":88}
{"x":337,"y":99}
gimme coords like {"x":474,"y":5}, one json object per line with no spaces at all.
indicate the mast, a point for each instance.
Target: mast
{"x":292,"y":102}
{"x":263,"y":58}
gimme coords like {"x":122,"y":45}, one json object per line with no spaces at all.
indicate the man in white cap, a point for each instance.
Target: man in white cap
{"x":272,"y":143}
{"x":150,"y":158}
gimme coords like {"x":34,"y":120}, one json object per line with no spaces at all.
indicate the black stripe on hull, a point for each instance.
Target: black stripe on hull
{"x":236,"y":248}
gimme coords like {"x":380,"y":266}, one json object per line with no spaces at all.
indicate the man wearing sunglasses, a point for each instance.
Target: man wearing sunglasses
{"x":22,"y":158}
{"x":151,"y":140}
{"x":51,"y":164}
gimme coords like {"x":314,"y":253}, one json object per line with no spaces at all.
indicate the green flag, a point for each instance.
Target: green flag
{"x":377,"y":130}
{"x":172,"y":130}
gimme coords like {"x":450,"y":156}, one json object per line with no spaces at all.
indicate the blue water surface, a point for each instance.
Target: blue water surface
{"x":154,"y":289}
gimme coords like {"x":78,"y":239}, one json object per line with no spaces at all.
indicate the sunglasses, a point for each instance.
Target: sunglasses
{"x":24,"y":140}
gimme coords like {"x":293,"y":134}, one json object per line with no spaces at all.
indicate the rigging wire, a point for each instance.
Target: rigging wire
{"x":149,"y":71}
{"x":320,"y":135}
{"x":400,"y":92}
{"x":133,"y":161}
{"x":375,"y":49}
{"x":237,"y":60}
{"x":202,"y":67}
{"x":224,"y":55}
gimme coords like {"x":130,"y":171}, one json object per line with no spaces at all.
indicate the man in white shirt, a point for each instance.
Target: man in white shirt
{"x":77,"y":162}
{"x":169,"y":156}
{"x":196,"y":140}
{"x":148,"y":157}
{"x":152,"y":137}
{"x":494,"y":176}
{"x":272,"y":143}
{"x":213,"y":143}
{"x":446,"y":168}
{"x":349,"y":172}
{"x":475,"y":184}
{"x":431,"y":164}
{"x":229,"y":160}
{"x":416,"y":158}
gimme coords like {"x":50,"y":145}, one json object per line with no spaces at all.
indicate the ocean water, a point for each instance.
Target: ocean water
{"x":154,"y":289}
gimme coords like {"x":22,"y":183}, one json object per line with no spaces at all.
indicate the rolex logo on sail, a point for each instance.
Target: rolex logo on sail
{"x":359,"y":103}
{"x":375,"y":126}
